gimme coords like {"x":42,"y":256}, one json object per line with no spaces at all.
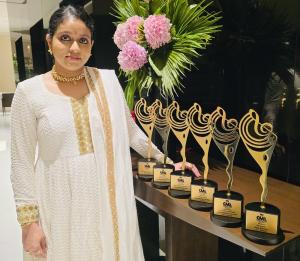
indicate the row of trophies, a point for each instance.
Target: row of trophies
{"x":260,"y":221}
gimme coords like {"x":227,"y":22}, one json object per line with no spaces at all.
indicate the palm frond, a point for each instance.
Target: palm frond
{"x":123,"y":9}
{"x":156,"y":6}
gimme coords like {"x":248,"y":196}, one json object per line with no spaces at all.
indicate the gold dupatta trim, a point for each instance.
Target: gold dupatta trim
{"x":103,"y":109}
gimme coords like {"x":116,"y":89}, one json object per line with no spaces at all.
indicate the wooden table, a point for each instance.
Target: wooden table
{"x":178,"y":214}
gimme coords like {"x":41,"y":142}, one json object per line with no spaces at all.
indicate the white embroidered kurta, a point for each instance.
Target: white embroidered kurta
{"x":68,"y":182}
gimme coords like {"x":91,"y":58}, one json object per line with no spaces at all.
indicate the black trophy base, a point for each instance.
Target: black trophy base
{"x":162,"y":184}
{"x":145,"y":169}
{"x":178,"y":193}
{"x":227,"y":220}
{"x":263,"y":238}
{"x":224,"y":221}
{"x":146,"y":178}
{"x":260,"y":237}
{"x":200,"y":205}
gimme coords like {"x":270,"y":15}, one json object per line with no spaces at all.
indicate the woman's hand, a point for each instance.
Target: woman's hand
{"x":188,"y":165}
{"x":34,"y":240}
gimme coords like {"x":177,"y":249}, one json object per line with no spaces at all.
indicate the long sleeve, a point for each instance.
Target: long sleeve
{"x":23,"y":145}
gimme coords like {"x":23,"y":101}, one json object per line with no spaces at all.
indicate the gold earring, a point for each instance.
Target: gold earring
{"x":50,"y":51}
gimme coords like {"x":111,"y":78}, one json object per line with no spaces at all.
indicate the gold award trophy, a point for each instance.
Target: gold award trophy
{"x":146,"y":117}
{"x":181,"y":180}
{"x":227,"y":204}
{"x":262,"y":220}
{"x":202,"y":190}
{"x":162,"y":172}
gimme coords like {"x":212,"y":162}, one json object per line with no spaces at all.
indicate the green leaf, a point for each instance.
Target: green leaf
{"x":129,"y":94}
{"x":158,"y":59}
{"x":154,"y":67}
{"x":156,"y":6}
{"x":123,"y":9}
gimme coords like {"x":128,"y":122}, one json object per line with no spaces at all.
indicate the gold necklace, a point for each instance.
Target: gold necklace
{"x":61,"y":78}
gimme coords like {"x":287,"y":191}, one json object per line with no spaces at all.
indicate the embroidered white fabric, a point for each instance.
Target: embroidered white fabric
{"x":67,"y":186}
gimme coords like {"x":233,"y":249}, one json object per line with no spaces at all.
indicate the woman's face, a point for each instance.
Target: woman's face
{"x":71,"y":45}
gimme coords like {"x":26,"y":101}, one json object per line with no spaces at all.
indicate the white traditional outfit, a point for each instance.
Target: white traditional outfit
{"x":80,"y":188}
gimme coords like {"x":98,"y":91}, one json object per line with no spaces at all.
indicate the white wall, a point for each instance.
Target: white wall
{"x":23,"y":16}
{"x":48,"y":7}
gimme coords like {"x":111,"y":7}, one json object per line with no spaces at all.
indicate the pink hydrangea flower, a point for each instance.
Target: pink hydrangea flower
{"x":132,"y":57}
{"x":128,"y":31}
{"x":120,"y":36}
{"x":132,"y":26}
{"x":157,"y":30}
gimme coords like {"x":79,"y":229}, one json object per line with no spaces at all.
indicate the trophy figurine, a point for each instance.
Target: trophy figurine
{"x":227,"y":204}
{"x":262,"y":220}
{"x":162,"y":172}
{"x":146,"y":117}
{"x":202,"y":190}
{"x":181,"y":180}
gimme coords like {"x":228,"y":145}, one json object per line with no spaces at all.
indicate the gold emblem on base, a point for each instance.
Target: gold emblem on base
{"x":227,"y":207}
{"x":262,"y":222}
{"x":162,"y":174}
{"x":145,"y":167}
{"x":202,"y":193}
{"x":181,"y":183}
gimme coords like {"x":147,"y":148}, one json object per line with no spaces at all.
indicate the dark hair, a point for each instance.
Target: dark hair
{"x":69,"y":11}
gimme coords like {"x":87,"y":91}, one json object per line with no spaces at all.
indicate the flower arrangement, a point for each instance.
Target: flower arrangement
{"x":158,"y":40}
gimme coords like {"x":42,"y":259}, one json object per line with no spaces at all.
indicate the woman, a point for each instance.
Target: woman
{"x":76,"y":201}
